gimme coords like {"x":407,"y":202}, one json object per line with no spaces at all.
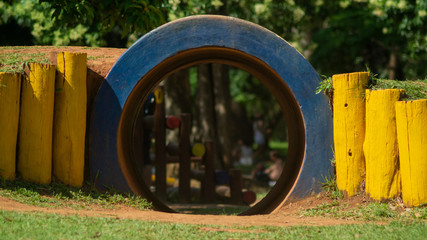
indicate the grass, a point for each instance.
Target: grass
{"x":57,"y":195}
{"x":329,"y":186}
{"x":371,"y":212}
{"x":15,"y":62}
{"x":21,"y":47}
{"x":278,"y":145}
{"x":14,"y":225}
{"x":407,"y":224}
{"x":97,"y":57}
{"x":414,"y":89}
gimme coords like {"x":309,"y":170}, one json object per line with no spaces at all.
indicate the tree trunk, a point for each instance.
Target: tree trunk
{"x":177,"y":97}
{"x":395,"y":67}
{"x":204,"y":104}
{"x":242,"y":125}
{"x":223,"y":112}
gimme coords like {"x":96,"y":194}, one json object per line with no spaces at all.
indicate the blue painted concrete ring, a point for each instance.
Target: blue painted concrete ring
{"x":201,"y":39}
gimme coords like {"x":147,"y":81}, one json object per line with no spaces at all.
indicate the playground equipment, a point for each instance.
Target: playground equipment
{"x":224,"y":40}
{"x":155,"y":123}
{"x":202,"y":39}
{"x":182,"y":153}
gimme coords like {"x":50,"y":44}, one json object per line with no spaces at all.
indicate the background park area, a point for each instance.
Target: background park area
{"x":388,"y":38}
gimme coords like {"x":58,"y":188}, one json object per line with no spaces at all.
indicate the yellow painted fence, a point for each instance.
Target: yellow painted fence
{"x":10,"y":92}
{"x":393,"y":134}
{"x":378,"y":139}
{"x":52,"y":121}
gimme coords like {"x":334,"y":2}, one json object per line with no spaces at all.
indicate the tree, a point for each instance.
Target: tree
{"x":91,"y":22}
{"x":110,"y":17}
{"x":387,"y":36}
{"x":33,"y":25}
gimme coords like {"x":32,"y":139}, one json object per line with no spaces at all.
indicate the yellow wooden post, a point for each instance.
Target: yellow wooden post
{"x":35,"y":126}
{"x":70,"y":118}
{"x":411,"y":120}
{"x":380,"y":147}
{"x":349,"y":129}
{"x":10,"y":95}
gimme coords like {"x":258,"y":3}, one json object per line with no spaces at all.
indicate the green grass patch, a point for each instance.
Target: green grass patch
{"x":282,"y":147}
{"x":57,"y":195}
{"x":15,"y":225}
{"x":93,"y":57}
{"x":90,"y":48}
{"x":21,"y":47}
{"x":329,"y":186}
{"x":15,"y":62}
{"x":97,"y":57}
{"x":277,"y":145}
{"x":370,"y":212}
{"x":415,"y":89}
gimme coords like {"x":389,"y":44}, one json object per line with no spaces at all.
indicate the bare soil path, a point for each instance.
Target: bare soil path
{"x":286,"y":216}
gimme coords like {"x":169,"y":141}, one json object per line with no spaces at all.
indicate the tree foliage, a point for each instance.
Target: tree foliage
{"x":135,"y":16}
{"x":83,"y":22}
{"x":336,"y":36}
{"x":28,"y":17}
{"x":388,"y":36}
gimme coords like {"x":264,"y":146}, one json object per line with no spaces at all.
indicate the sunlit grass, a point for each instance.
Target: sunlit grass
{"x":14,"y":225}
{"x":414,"y":89}
{"x":16,"y":62}
{"x":57,"y":195}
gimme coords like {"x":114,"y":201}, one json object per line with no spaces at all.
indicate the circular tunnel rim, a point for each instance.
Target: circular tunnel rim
{"x":252,"y":65}
{"x":212,"y":31}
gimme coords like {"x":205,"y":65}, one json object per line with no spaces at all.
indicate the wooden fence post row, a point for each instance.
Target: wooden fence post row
{"x":52,"y":121}
{"x":379,"y":137}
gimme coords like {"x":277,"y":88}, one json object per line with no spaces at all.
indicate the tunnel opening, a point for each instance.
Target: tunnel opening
{"x":129,"y":157}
